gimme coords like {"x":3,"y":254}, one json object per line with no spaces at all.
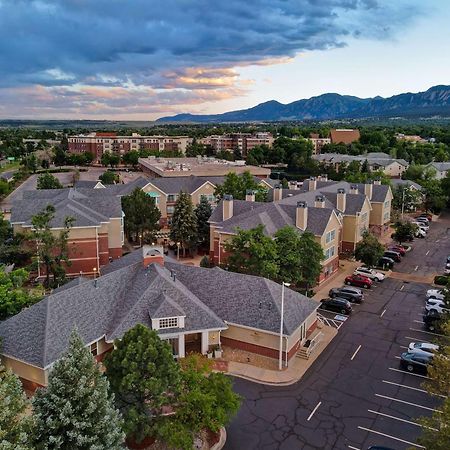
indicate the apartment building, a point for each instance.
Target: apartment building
{"x":194,"y":309}
{"x":99,"y":143}
{"x":97,"y":233}
{"x":318,"y":142}
{"x":310,"y":213}
{"x":344,"y":136}
{"x":242,"y":142}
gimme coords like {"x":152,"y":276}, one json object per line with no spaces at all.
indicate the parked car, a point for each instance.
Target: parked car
{"x":432,"y":320}
{"x":400,"y":250}
{"x":393,"y":255}
{"x":386,"y":263}
{"x":415,"y":363}
{"x":352,"y":294}
{"x":427,"y":216}
{"x":359,"y":280}
{"x":423,"y":220}
{"x":339,"y":305}
{"x":420,"y":233}
{"x":448,"y":259}
{"x":435,"y":305}
{"x":422,"y":348}
{"x":447,"y":269}
{"x":422,"y":226}
{"x":436,"y":293}
{"x":369,"y":273}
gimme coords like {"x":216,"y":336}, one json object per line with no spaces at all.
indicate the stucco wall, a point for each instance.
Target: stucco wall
{"x":25,"y":371}
{"x":162,"y":199}
{"x":206,"y":189}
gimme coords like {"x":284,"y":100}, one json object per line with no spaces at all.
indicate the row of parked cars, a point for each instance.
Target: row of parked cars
{"x":435,"y":309}
{"x":340,"y":299}
{"x":418,"y":357}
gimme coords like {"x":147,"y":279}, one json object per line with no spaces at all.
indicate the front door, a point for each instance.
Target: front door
{"x":193,"y":343}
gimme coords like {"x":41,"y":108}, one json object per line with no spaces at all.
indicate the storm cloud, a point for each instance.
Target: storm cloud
{"x":71,"y":46}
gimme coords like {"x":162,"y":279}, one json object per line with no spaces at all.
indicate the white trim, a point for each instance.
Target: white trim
{"x":24,"y":362}
{"x":206,"y":182}
{"x":253,"y":329}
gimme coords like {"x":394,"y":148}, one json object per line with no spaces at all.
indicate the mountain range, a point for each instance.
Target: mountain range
{"x":433,"y":102}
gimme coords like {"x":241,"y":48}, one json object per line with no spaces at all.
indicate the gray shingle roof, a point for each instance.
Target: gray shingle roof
{"x":440,"y":166}
{"x":87,"y":184}
{"x":186,"y":184}
{"x":399,"y":182}
{"x":239,"y":207}
{"x":380,"y":159}
{"x":126,"y":296}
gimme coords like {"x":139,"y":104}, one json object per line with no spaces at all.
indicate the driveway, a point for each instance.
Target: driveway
{"x":354,"y":395}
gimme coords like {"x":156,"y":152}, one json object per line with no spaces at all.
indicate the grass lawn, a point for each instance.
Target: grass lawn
{"x":10,"y":166}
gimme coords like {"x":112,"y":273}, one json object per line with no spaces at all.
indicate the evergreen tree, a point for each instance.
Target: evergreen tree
{"x":145,"y":378}
{"x":184,"y":222}
{"x":141,"y":215}
{"x":109,"y":177}
{"x":311,"y":257}
{"x":75,"y":411}
{"x":15,"y":425}
{"x":203,"y":212}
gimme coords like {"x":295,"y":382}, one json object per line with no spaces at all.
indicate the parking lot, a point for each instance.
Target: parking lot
{"x":355,"y":394}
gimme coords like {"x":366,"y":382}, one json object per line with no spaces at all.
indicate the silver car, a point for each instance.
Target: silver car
{"x":422,"y":348}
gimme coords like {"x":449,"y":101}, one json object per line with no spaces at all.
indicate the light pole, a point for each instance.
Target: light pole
{"x":280,"y":357}
{"x":403,"y":201}
{"x":178,"y":250}
{"x":95,"y":271}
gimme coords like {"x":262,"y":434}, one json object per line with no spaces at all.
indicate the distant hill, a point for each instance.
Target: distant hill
{"x":433,"y":102}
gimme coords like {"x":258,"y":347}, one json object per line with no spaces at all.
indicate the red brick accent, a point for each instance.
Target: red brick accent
{"x":30,"y":386}
{"x":258,"y":349}
{"x":115,"y":253}
{"x":311,"y":328}
{"x":333,"y":266}
{"x":348,"y":246}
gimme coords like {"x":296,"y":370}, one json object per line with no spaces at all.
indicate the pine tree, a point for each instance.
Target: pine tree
{"x":203,"y":212}
{"x":75,"y":411}
{"x":145,"y":379}
{"x":15,"y":426}
{"x":184,"y":222}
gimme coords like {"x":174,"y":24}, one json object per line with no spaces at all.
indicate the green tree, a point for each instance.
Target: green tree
{"x":206,"y":401}
{"x":183,"y":228}
{"x":238,"y":185}
{"x":31,"y":163}
{"x":141,"y":215}
{"x":60,"y":157}
{"x":109,"y":177}
{"x":131,"y":158}
{"x":15,"y":424}
{"x":406,"y":198}
{"x":435,"y":198}
{"x":144,"y":378}
{"x":114,"y":160}
{"x":404,"y":231}
{"x":13,"y":296}
{"x":105,"y":159}
{"x":45,"y":164}
{"x":51,"y":247}
{"x":203,"y":212}
{"x":76,"y":411}
{"x":369,"y":250}
{"x":254,"y":253}
{"x":88,"y":158}
{"x":311,"y":256}
{"x":48,"y":181}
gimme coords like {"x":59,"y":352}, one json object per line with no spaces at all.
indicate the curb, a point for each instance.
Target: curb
{"x":258,"y":381}
{"x":222,"y":440}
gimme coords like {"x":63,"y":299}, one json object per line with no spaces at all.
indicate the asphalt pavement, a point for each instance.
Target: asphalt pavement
{"x":355,"y":394}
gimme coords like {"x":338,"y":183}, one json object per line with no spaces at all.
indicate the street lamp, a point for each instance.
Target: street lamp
{"x":140,"y":239}
{"x":280,"y":357}
{"x":95,"y":271}
{"x":178,"y":250}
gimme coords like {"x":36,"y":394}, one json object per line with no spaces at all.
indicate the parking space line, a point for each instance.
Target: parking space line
{"x":382,"y":314}
{"x":406,"y":403}
{"x":356,"y":351}
{"x":403,"y":346}
{"x":353,"y":448}
{"x":393,"y":417}
{"x":397,"y":357}
{"x":415,"y":268}
{"x":409,"y":373}
{"x":417,"y":339}
{"x":405,"y":386}
{"x":419,"y":321}
{"x":428,"y":332}
{"x":403,"y":287}
{"x":313,"y":411}
{"x":391,"y":437}
{"x":426,"y":254}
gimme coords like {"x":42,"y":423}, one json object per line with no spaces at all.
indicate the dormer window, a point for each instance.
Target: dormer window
{"x":170,"y":322}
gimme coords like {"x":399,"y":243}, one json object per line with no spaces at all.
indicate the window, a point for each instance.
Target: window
{"x":172,"y":197}
{"x":94,"y":349}
{"x":329,"y":253}
{"x":170,"y":209}
{"x":387,"y":215}
{"x":364,"y":217}
{"x":387,"y":204}
{"x":330,"y":236}
{"x":210,"y":197}
{"x":171,"y":322}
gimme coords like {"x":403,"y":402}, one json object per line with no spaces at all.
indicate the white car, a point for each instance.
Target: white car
{"x":436,"y":293}
{"x":422,"y":348}
{"x":420,"y":233}
{"x":369,"y":273}
{"x":436,"y":306}
{"x":422,"y":226}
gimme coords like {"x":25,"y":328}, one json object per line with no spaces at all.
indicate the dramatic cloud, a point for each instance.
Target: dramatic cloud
{"x":138,"y":47}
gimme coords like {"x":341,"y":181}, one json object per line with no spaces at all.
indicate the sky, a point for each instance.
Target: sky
{"x":141,"y":59}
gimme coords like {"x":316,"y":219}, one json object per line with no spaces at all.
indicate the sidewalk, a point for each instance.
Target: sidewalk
{"x":297,"y":366}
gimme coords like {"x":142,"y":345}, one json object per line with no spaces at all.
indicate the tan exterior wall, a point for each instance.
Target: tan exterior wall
{"x":394,"y":170}
{"x":213,"y":338}
{"x":25,"y":371}
{"x":206,"y":189}
{"x":333,"y":224}
{"x":162,"y":199}
{"x":115,"y":233}
{"x":349,"y":229}
{"x":103,"y":346}
{"x":256,"y":337}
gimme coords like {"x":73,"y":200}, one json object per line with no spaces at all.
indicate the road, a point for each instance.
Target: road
{"x":354,"y":395}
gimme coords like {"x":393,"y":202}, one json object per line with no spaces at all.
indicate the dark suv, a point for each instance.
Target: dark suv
{"x":393,"y":255}
{"x":351,"y":294}
{"x":432,"y":320}
{"x":339,"y":305}
{"x":415,"y":363}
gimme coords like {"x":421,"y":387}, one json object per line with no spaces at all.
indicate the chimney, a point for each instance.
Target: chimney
{"x":249,"y":195}
{"x":301,"y":215}
{"x":353,"y":189}
{"x":312,"y":184}
{"x":320,"y":201}
{"x":293,"y":185}
{"x":277,"y":193}
{"x":152,"y":254}
{"x":227,"y":207}
{"x":368,"y":188}
{"x":324,"y":177}
{"x":377,"y":182}
{"x":341,"y":200}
